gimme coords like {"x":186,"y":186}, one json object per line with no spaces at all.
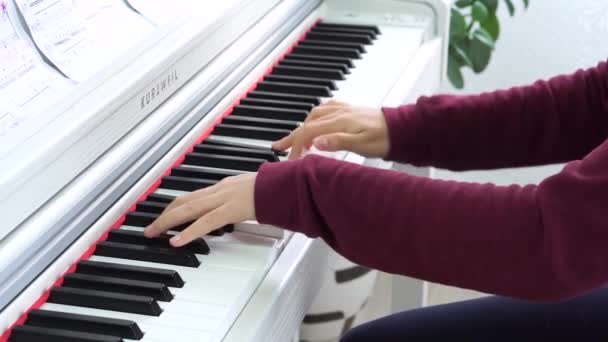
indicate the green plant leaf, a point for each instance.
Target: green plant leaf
{"x":491,"y":5}
{"x":464,"y":3}
{"x":492,"y":26}
{"x":483,"y":36}
{"x":480,"y":11}
{"x":457,"y":23}
{"x":510,"y":7}
{"x":526,"y":3}
{"x":460,"y":55}
{"x":454,"y":74}
{"x":479,"y":53}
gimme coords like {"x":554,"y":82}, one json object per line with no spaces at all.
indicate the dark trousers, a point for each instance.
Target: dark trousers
{"x":490,"y":319}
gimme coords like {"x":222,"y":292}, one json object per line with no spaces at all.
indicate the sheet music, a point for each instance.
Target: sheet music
{"x":162,"y":12}
{"x":80,"y":37}
{"x":159,"y":12}
{"x":118,"y":25}
{"x":26,"y":85}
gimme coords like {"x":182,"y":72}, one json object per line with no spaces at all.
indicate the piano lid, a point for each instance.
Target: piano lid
{"x":42,"y":155}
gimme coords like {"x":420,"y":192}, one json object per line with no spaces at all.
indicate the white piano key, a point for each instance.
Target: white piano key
{"x":244,"y":141}
{"x":236,"y":250}
{"x":194,"y":309}
{"x":218,"y":286}
{"x":208,"y":168}
{"x":169,"y":192}
{"x":203,"y":272}
{"x":381,"y":65}
{"x":158,"y":333}
{"x":170,"y":321}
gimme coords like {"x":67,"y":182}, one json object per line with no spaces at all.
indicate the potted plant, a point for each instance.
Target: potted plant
{"x":474,"y":30}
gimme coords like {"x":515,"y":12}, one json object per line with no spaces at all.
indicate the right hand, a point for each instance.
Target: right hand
{"x":336,"y":126}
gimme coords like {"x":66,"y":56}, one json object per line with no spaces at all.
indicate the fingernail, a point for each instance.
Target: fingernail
{"x":175,"y":240}
{"x":321,"y":143}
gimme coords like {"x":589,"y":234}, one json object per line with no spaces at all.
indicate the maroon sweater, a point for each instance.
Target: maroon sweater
{"x":540,"y":242}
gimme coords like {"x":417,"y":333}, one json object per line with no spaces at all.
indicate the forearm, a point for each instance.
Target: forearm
{"x":547,"y":122}
{"x":514,"y":241}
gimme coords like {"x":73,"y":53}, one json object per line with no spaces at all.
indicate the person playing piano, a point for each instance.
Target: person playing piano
{"x":542,"y":249}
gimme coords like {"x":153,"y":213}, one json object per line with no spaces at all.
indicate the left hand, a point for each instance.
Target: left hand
{"x":229,"y":201}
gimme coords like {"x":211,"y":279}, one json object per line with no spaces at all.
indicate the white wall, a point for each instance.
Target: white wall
{"x":552,"y":37}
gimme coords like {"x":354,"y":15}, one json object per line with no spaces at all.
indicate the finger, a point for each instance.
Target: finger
{"x":185,"y":213}
{"x":317,"y":113}
{"x":284,"y":143}
{"x":336,"y":142}
{"x":186,"y":198}
{"x":321,"y":111}
{"x":338,"y":103}
{"x":304,"y":135}
{"x":213,"y":220}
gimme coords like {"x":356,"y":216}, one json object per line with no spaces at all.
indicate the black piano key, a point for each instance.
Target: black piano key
{"x":251,"y":132}
{"x":341,"y":37}
{"x":186,"y":184}
{"x":329,"y":43}
{"x":306,"y":69}
{"x":144,"y":219}
{"x":302,"y":89}
{"x":368,"y":33}
{"x":372,"y":28}
{"x":84,"y":323}
{"x":347,"y":62}
{"x":151,"y":207}
{"x":268,"y":155}
{"x":160,"y":198}
{"x":250,"y":101}
{"x":157,"y":291}
{"x":303,"y":80}
{"x":328,"y":66}
{"x":195,"y":172}
{"x":218,"y":232}
{"x":266,"y":95}
{"x":27,"y":333}
{"x":159,"y":275}
{"x":236,"y":144}
{"x":139,"y":219}
{"x":198,"y":246}
{"x":270,"y":113}
{"x":171,"y":256}
{"x":327,"y":51}
{"x":105,"y":300}
{"x":294,"y":88}
{"x":260,"y":122}
{"x":223,"y":161}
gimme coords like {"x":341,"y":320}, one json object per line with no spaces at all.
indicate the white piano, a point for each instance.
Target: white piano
{"x":199,"y":97}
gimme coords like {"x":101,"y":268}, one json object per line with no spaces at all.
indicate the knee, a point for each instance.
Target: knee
{"x":356,"y":334}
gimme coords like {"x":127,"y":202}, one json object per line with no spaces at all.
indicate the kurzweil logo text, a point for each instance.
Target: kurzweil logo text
{"x":158,"y":89}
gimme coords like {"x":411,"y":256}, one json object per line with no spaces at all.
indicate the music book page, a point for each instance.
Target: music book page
{"x":161,"y":12}
{"x":27,"y":86}
{"x":81,"y":37}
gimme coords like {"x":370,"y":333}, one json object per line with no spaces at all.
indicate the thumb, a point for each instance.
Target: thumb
{"x":335,"y":142}
{"x":283,"y":144}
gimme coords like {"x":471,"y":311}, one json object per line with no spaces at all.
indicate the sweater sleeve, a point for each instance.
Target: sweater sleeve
{"x":542,"y":242}
{"x":551,"y":121}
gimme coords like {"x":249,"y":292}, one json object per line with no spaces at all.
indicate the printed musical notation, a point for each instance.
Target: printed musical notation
{"x":26,"y":85}
{"x":81,"y":37}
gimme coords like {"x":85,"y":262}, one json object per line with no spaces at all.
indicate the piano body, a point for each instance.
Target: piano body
{"x":198,"y":99}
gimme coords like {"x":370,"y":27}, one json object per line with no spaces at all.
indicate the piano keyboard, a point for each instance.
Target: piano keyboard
{"x":137,"y":289}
